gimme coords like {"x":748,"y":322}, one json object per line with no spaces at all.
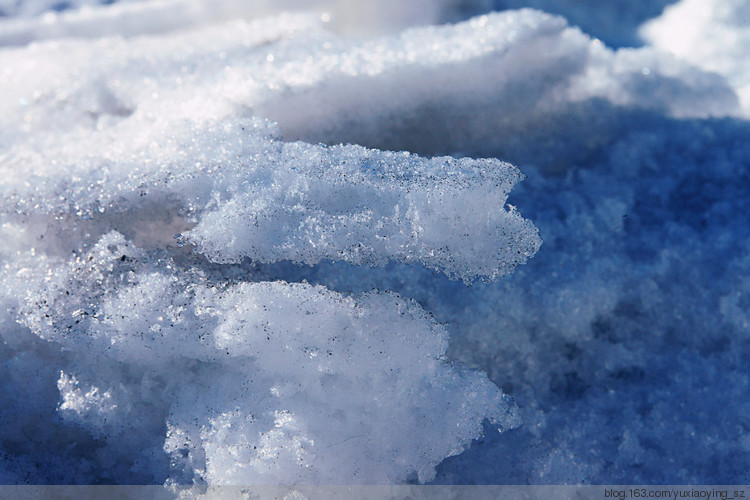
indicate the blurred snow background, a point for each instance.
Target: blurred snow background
{"x":190,"y":295}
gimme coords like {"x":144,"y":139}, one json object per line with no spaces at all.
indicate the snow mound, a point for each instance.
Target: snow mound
{"x":205,"y":248}
{"x":257,"y":382}
{"x":713,"y":35}
{"x":141,"y":196}
{"x":239,"y":192}
{"x":493,"y":86}
{"x":615,"y":23}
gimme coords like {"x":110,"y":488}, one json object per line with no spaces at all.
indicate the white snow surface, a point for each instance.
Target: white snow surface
{"x":714,"y":35}
{"x":127,"y":172}
{"x":237,"y":239}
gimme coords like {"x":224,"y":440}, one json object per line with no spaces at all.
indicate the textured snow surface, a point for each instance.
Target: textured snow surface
{"x":615,"y":23}
{"x":256,"y":382}
{"x":221,"y":265}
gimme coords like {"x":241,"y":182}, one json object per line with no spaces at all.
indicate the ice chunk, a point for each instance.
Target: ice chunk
{"x":361,"y":367}
{"x":249,"y":195}
{"x":89,"y":405}
{"x":475,"y":87}
{"x":367,"y":207}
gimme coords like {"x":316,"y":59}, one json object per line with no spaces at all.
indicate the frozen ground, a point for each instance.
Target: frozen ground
{"x":200,"y":284}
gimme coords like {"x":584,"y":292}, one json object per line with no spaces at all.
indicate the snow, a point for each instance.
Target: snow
{"x":281,"y":242}
{"x":615,"y":23}
{"x":249,"y":377}
{"x":711,"y":35}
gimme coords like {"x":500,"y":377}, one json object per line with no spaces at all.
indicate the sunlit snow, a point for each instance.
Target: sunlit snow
{"x":347,"y":242}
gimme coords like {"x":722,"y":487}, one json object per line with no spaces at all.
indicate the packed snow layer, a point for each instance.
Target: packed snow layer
{"x":714,"y":35}
{"x":190,"y":296}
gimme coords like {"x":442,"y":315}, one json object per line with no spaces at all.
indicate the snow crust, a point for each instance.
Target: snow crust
{"x":202,"y":284}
